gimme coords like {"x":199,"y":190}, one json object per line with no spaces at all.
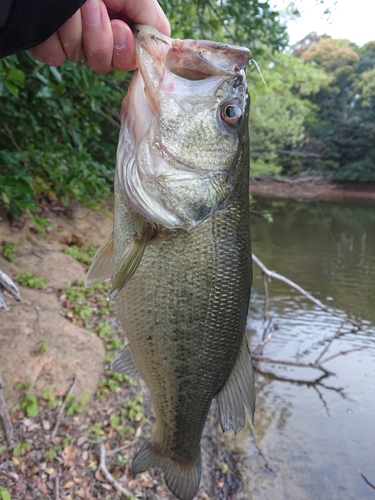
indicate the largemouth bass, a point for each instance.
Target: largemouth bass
{"x":181,"y":245}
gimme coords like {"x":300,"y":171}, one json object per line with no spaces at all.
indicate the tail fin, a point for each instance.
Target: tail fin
{"x":182,"y":480}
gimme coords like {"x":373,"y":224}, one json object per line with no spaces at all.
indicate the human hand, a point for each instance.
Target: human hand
{"x":99,"y":33}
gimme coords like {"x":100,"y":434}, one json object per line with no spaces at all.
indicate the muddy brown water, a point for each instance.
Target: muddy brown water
{"x":316,"y":432}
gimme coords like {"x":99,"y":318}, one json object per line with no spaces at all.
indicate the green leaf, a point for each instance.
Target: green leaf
{"x":12,"y":88}
{"x":56,"y":73}
{"x":17,"y":77}
{"x":4,"y":494}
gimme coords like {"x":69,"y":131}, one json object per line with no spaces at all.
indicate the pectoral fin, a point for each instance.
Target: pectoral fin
{"x":238,"y":392}
{"x":123,"y":363}
{"x":102,"y":264}
{"x":129,"y":263}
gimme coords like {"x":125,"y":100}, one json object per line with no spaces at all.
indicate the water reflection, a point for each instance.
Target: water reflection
{"x":314,"y":432}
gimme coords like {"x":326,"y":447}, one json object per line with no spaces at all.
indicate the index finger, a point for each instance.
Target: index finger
{"x":141,"y":12}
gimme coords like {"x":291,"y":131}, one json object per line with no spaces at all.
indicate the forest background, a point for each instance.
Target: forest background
{"x":316,"y":116}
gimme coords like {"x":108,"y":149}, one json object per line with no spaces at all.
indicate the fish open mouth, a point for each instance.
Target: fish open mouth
{"x":189,"y":59}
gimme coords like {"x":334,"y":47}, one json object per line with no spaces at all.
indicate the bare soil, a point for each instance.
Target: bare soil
{"x":66,"y":466}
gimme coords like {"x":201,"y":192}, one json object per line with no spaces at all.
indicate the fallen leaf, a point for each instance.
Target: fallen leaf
{"x":132,"y":484}
{"x":99,"y":476}
{"x":50,"y":471}
{"x":106,"y":486}
{"x":69,"y":484}
{"x":15,"y":461}
{"x":81,"y":440}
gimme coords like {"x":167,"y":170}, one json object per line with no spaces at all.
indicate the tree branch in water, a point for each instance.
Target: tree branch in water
{"x":273,"y":274}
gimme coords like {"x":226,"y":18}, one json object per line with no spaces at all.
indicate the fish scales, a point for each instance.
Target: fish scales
{"x":186,"y":325}
{"x":180,"y":255}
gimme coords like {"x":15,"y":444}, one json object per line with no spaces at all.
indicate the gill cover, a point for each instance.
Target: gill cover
{"x":176,"y":154}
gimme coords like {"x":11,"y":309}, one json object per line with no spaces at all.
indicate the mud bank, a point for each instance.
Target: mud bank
{"x":322,"y":191}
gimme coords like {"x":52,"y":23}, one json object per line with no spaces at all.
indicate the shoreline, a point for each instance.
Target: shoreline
{"x":321,"y":191}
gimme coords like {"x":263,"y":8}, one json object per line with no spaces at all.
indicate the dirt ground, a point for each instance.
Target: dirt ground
{"x":60,"y":334}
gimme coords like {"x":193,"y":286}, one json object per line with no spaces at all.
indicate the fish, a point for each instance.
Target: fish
{"x":180,"y":252}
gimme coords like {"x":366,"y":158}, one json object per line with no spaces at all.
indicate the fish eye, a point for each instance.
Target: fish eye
{"x":231,"y":113}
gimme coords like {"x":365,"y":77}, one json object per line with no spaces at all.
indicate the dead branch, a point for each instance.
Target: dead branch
{"x":256,"y":444}
{"x":57,"y":487}
{"x":365,"y":478}
{"x":266,"y":295}
{"x":59,"y":416}
{"x":108,"y":475}
{"x":7,"y":285}
{"x":265,"y":341}
{"x":123,"y":447}
{"x":4,"y":417}
{"x":329,"y":344}
{"x":342,"y":353}
{"x":273,"y":274}
{"x":291,"y":362}
{"x":307,"y":364}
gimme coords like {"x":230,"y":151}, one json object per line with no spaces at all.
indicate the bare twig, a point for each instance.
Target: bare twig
{"x":123,"y":447}
{"x":57,"y":487}
{"x":329,"y":344}
{"x":108,"y":475}
{"x":266,"y":295}
{"x":273,"y":274}
{"x":4,"y":417}
{"x":307,"y":364}
{"x":342,"y":353}
{"x":252,"y":432}
{"x":259,"y":348}
{"x":367,"y":481}
{"x":7,"y":285}
{"x":59,"y":416}
{"x":291,"y":362}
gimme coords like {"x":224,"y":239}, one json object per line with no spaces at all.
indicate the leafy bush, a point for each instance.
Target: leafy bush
{"x":58,"y":133}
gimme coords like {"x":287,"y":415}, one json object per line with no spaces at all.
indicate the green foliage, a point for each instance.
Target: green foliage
{"x":341,"y":138}
{"x":278,"y":112}
{"x":230,"y":22}
{"x":21,"y":449}
{"x":28,"y":279}
{"x":42,"y":346}
{"x":4,"y":494}
{"x":9,"y":252}
{"x":83,"y":254}
{"x":22,"y":385}
{"x":30,"y":405}
{"x":49,"y":455}
{"x":58,"y":132}
{"x":73,"y":406}
{"x":51,"y":398}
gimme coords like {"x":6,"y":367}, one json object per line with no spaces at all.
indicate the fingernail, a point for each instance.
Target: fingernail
{"x":91,"y":12}
{"x":119,"y":37}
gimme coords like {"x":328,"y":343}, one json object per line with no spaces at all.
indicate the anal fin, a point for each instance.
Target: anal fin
{"x":238,"y":393}
{"x":182,"y":479}
{"x":129,"y":263}
{"x":102,"y":264}
{"x":123,"y":363}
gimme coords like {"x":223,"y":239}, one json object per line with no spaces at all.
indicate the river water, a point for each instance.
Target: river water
{"x":314,"y":433}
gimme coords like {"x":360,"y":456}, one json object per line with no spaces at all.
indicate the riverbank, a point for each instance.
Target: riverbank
{"x":318,"y":190}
